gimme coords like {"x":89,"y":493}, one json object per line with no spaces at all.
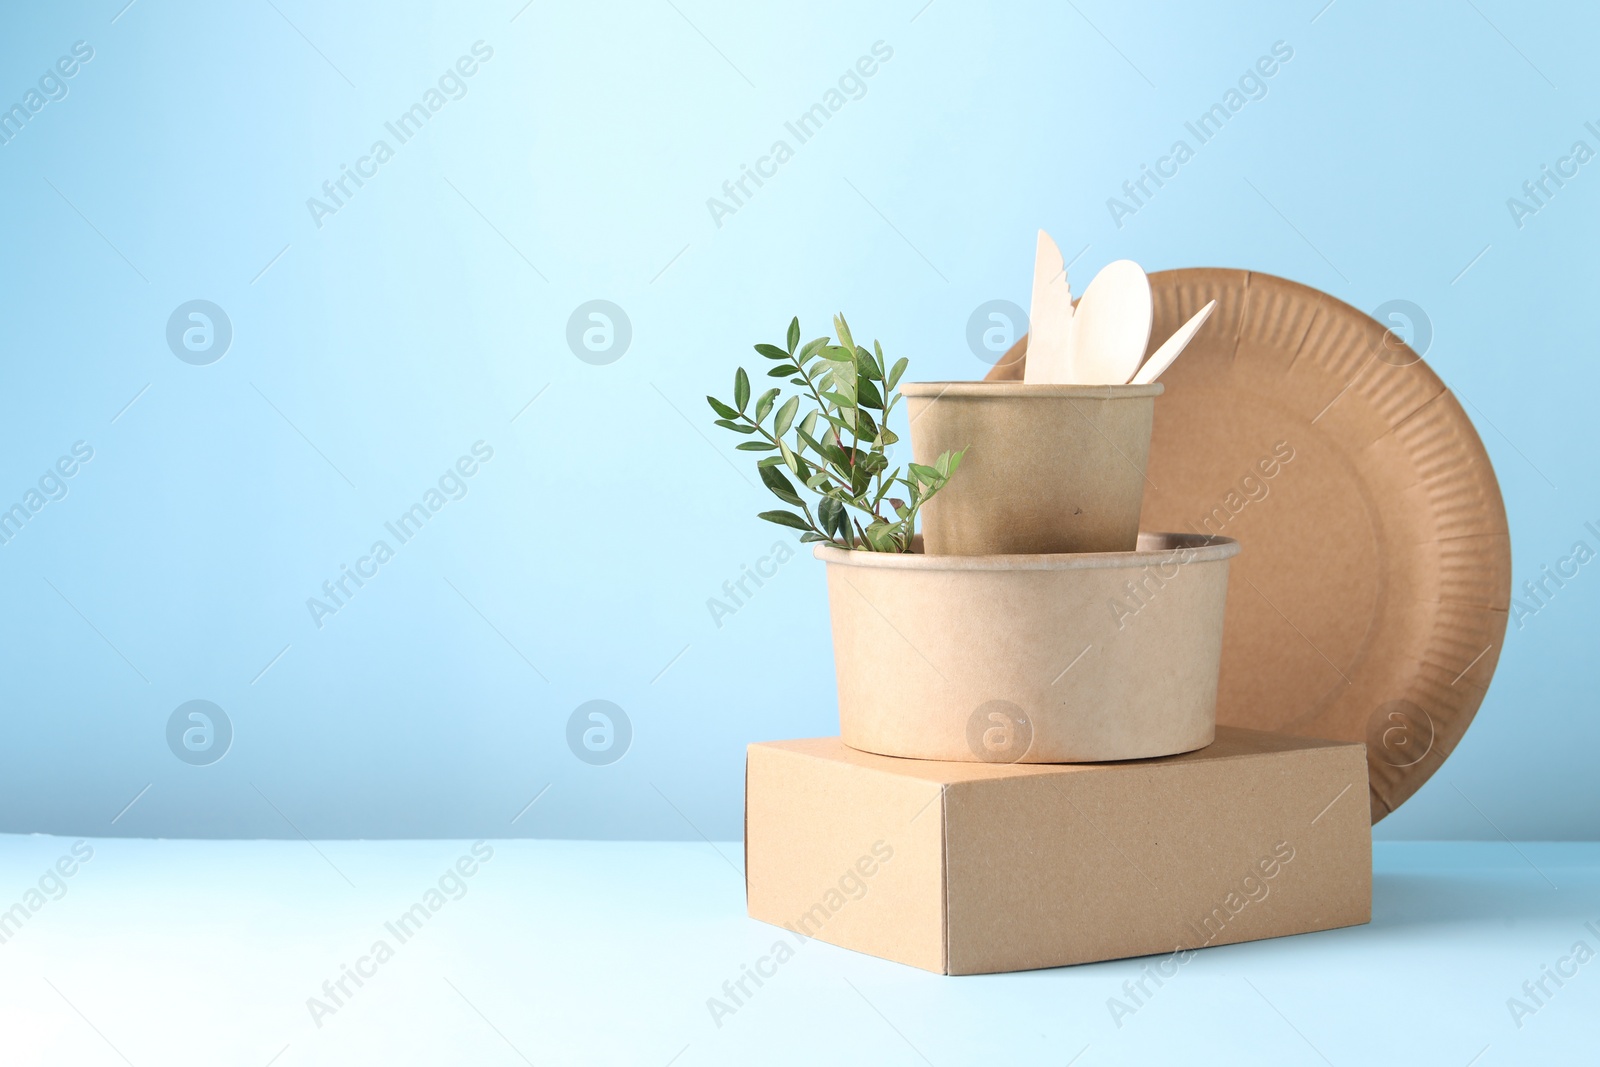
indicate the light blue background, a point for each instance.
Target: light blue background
{"x":433,"y":306}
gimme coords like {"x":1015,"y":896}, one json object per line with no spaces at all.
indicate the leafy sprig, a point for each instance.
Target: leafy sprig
{"x":838,"y":448}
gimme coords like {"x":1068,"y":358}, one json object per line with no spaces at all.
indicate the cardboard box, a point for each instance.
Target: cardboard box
{"x":972,"y":868}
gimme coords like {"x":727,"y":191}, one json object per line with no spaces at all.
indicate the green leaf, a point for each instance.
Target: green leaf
{"x":736,"y":427}
{"x":741,"y":389}
{"x":868,"y":367}
{"x":790,"y":459}
{"x":844,"y":376}
{"x":831,"y":513}
{"x":838,"y":398}
{"x":794,"y":333}
{"x":810,"y":350}
{"x":835,"y":354}
{"x":888,"y":437}
{"x":926,"y":475}
{"x":872,"y":462}
{"x":781,"y":487}
{"x":764,"y":403}
{"x":782,"y":369}
{"x":880,"y":535}
{"x":769,"y":461}
{"x":808,"y":425}
{"x":867,"y":395}
{"x":772,"y":352}
{"x":756,"y":446}
{"x":721,"y":409}
{"x":785,"y":518}
{"x":899,"y":369}
{"x":785,"y":419}
{"x":828,"y":451}
{"x":842,"y":328}
{"x":810,"y":535}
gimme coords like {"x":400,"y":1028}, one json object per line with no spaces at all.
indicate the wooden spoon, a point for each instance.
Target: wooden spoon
{"x":1111,"y":326}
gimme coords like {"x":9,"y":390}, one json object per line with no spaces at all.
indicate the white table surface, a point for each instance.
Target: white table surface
{"x":569,"y":952}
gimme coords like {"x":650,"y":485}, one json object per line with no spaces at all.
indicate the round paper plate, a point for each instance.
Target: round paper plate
{"x":1370,"y":599}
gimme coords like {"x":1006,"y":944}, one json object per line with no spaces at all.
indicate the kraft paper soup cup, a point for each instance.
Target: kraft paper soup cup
{"x":1062,"y":658}
{"x":1048,"y":468}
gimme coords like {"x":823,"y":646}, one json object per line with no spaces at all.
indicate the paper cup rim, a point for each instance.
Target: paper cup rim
{"x":1153,"y":547}
{"x":989,"y":390}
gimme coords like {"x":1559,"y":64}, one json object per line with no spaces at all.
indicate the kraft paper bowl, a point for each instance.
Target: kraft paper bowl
{"x":1048,"y":468}
{"x":1068,"y":658}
